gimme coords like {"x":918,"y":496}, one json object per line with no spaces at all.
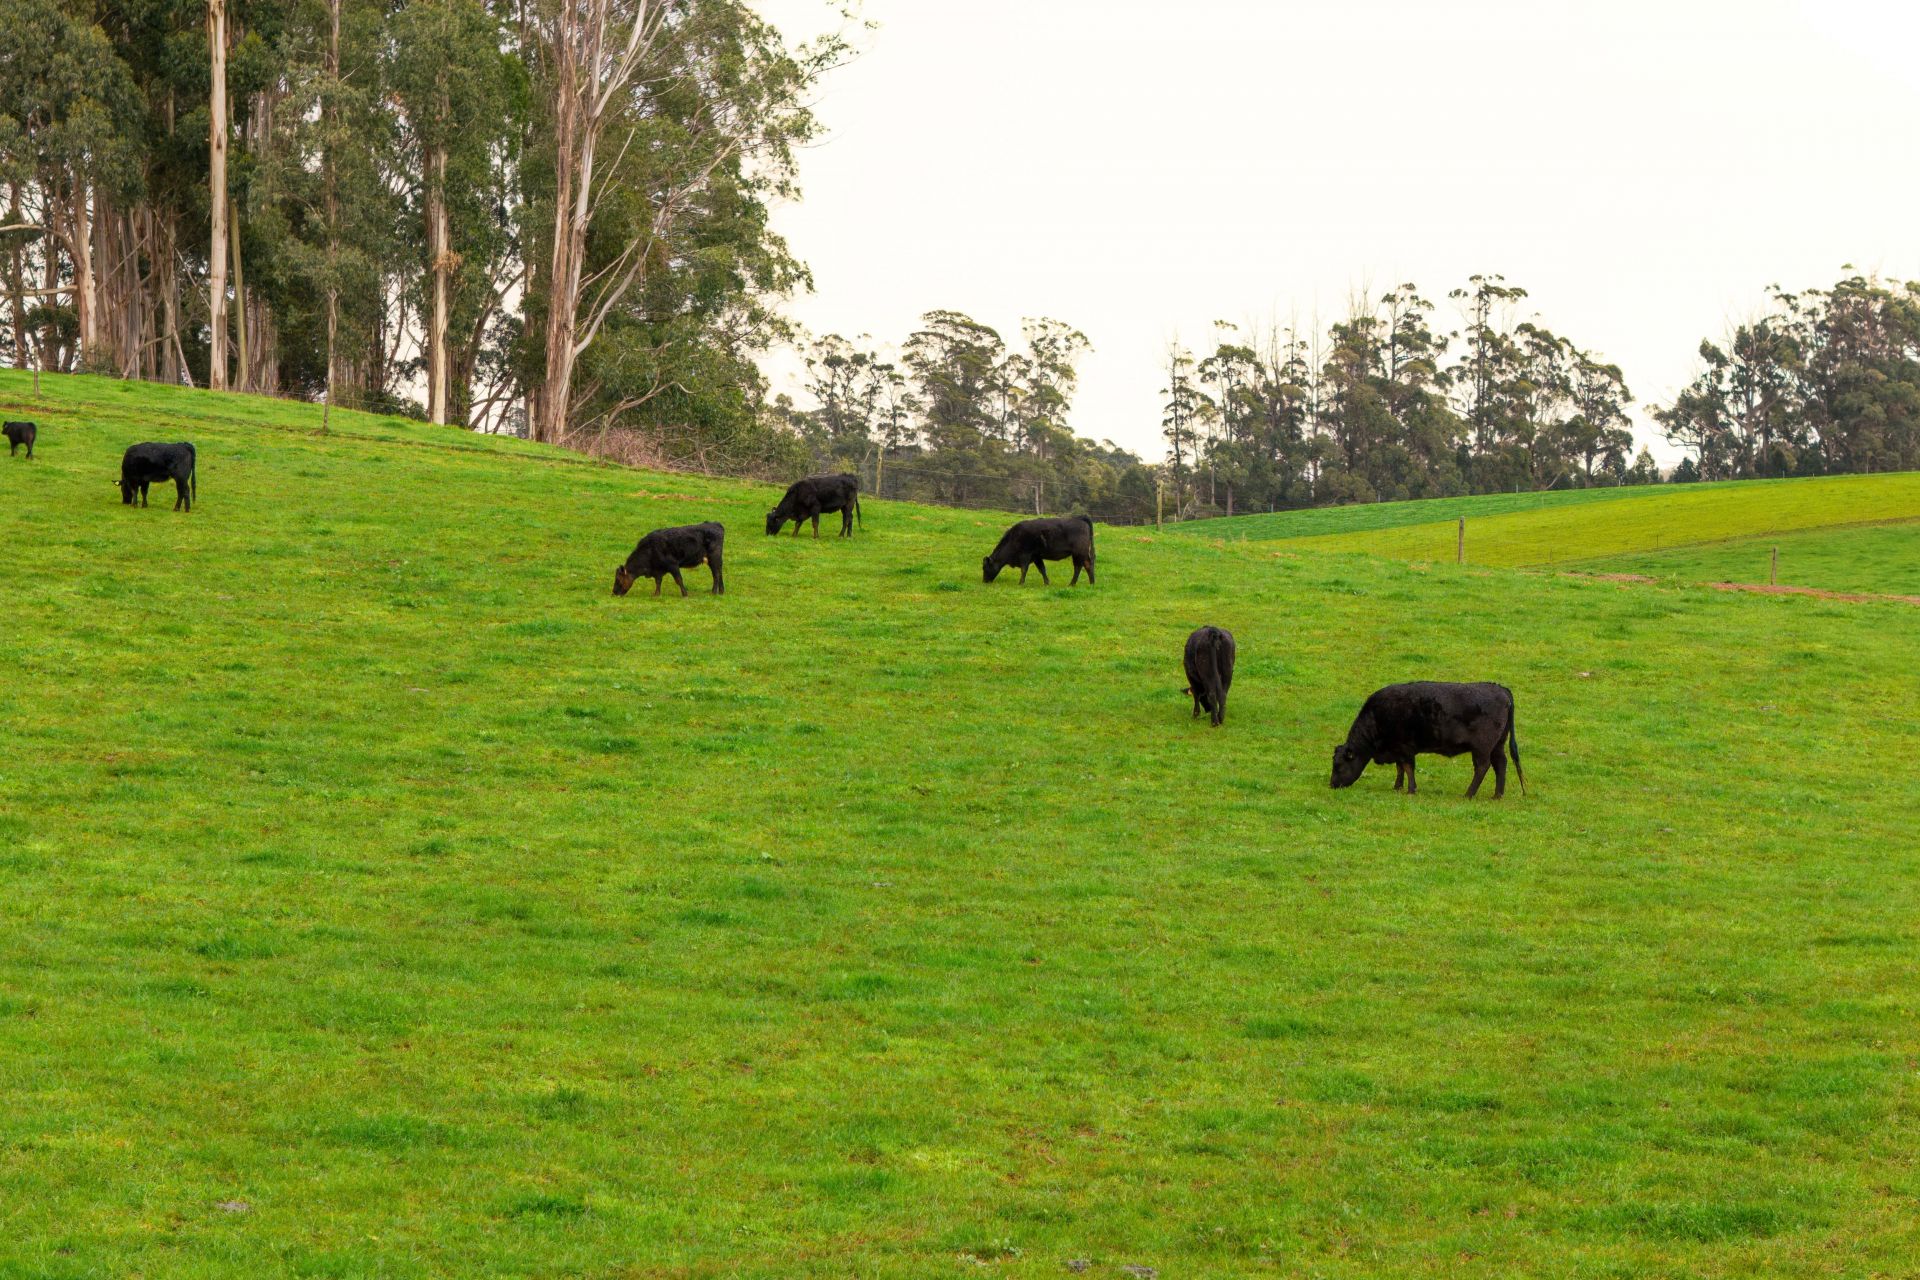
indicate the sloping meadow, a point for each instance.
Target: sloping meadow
{"x":1580,"y":527}
{"x":379,"y":894}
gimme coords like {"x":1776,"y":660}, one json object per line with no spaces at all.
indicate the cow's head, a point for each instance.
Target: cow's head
{"x":776,"y":518}
{"x":989,"y":568}
{"x":1348,"y":765}
{"x":622,"y":581}
{"x":126,"y":491}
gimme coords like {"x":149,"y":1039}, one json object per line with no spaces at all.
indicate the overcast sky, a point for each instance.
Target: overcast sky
{"x":1141,"y":168}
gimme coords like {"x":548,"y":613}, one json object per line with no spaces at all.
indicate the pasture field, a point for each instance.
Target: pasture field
{"x":1367,"y":517}
{"x":380,"y":896}
{"x":1881,"y":559}
{"x":1587,"y":525}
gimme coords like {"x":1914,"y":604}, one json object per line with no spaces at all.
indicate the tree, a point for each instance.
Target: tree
{"x":1183,"y":415}
{"x":1599,"y":433}
{"x":446,"y":73}
{"x":649,"y":109}
{"x":217,"y":192}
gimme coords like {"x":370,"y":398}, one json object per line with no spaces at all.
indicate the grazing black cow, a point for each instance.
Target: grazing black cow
{"x":1403,"y":720}
{"x":1034,"y":542}
{"x":668,"y":551}
{"x":1210,"y":671}
{"x":145,"y":464}
{"x":20,"y":433}
{"x":815,"y":496}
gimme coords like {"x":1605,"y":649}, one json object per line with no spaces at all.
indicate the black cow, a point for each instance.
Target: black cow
{"x":1210,"y":671}
{"x":1403,"y":720}
{"x":668,"y":551}
{"x":20,"y":433}
{"x":1034,"y":542}
{"x":145,"y":464}
{"x":815,"y":496}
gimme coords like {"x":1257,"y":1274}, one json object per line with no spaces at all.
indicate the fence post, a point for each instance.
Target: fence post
{"x":1773,"y":573}
{"x":880,"y":472}
{"x":1158,"y":493}
{"x":1460,"y":545}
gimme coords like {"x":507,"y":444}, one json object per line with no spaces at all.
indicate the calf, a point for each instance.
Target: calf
{"x":813,"y":497}
{"x":1210,"y":671}
{"x":1404,"y":720}
{"x":668,"y":551}
{"x":20,"y":433}
{"x":144,"y":464}
{"x":1034,"y":542}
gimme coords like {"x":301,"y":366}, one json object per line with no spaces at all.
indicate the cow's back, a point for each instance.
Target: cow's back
{"x":1436,"y":715}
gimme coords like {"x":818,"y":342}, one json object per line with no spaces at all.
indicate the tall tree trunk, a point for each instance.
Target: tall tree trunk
{"x":333,"y":203}
{"x":172,"y":361}
{"x":52,"y":349}
{"x":569,"y":240}
{"x":80,"y":244}
{"x":217,"y":194}
{"x":16,"y":280}
{"x":243,"y":371}
{"x":440,"y":258}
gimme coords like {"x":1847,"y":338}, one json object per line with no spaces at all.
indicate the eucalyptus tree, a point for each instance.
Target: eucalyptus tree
{"x":453,"y":86}
{"x":653,"y":120}
{"x":69,"y":125}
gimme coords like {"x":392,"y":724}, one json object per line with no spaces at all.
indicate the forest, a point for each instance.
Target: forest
{"x":554,"y":220}
{"x":550,"y":219}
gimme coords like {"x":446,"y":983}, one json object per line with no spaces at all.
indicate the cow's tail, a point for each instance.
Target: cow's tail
{"x":1513,"y":745}
{"x":1219,"y":692}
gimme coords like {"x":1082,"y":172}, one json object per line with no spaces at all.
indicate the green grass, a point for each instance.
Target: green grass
{"x":1366,"y":517}
{"x":1882,"y":559}
{"x":1544,"y":529}
{"x":378,"y":895}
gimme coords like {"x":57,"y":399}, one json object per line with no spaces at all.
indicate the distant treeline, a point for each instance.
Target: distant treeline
{"x":1368,"y":411}
{"x":1826,"y":383}
{"x":962,"y":418}
{"x":1382,"y":405}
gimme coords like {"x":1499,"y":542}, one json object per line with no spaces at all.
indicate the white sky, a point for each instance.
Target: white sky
{"x":1141,"y":168}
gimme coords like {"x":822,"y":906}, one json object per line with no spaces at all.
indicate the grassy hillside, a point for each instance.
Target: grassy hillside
{"x":378,"y":895}
{"x":1367,"y":517}
{"x":1874,"y":558}
{"x":1540,"y":529}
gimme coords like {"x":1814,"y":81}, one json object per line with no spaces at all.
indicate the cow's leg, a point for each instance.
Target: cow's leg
{"x":658,"y":580}
{"x":1399,"y":776}
{"x":1023,"y":575}
{"x":1499,"y":773}
{"x":679,"y":581}
{"x":1413,"y":783}
{"x":816,"y":526}
{"x":1076,"y":572}
{"x":846,"y":522}
{"x":1480,"y":763}
{"x":1042,"y":566}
